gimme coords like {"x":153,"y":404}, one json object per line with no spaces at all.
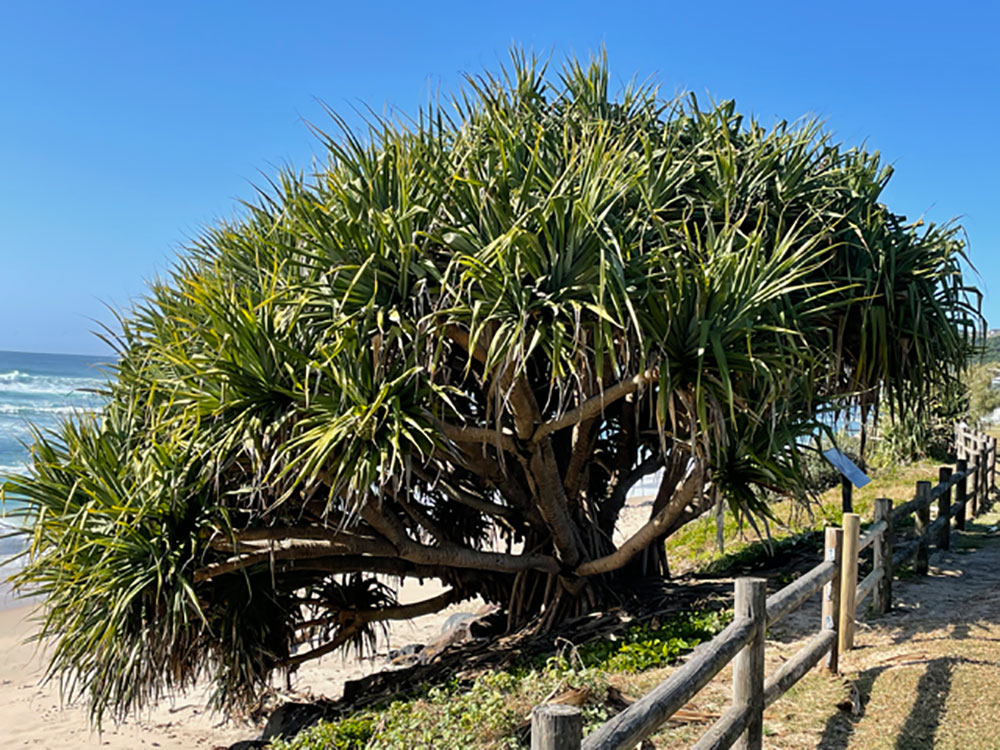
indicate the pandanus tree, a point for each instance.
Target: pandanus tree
{"x":450,"y":353}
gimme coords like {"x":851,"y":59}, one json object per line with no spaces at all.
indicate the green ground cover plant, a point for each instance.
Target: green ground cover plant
{"x":488,"y":713}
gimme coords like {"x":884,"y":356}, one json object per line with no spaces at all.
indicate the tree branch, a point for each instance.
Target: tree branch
{"x":595,"y":405}
{"x":249,"y":538}
{"x":461,"y":337}
{"x":288,"y":549}
{"x":355,"y":620}
{"x":582,"y":448}
{"x":551,"y":499}
{"x":389,"y":566}
{"x":468,"y":499}
{"x":409,"y":611}
{"x":472,"y":434}
{"x":454,"y":557}
{"x":343,"y":636}
{"x":683,"y":493}
{"x":523,"y":405}
{"x":513,"y":490}
{"x":414,"y":512}
{"x":613,"y":505}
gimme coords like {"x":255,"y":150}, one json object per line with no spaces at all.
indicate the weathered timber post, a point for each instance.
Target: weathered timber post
{"x":977,"y":459}
{"x":923,"y":518}
{"x":849,"y":580}
{"x":984,"y":452}
{"x":993,"y":467}
{"x":961,"y":492}
{"x":944,"y":508}
{"x":882,"y":557}
{"x":846,"y":495}
{"x":960,"y":449}
{"x":988,"y":480}
{"x":748,"y":666}
{"x":833,"y":544}
{"x":984,"y":486}
{"x":982,"y":493}
{"x":556,"y":727}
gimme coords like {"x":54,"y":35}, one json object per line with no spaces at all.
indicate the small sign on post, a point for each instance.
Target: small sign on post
{"x":850,"y":475}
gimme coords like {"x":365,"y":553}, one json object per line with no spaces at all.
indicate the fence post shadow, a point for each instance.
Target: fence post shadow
{"x":925,"y":717}
{"x":922,"y":722}
{"x":840,"y":726}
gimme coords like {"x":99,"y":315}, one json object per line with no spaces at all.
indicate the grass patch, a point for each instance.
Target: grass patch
{"x":693,"y":548}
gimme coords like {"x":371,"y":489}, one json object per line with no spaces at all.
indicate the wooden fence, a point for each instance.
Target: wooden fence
{"x":960,"y":492}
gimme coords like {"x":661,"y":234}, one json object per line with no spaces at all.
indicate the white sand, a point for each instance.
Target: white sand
{"x":33,"y":715}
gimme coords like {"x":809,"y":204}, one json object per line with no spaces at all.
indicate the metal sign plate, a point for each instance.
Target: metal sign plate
{"x":846,"y":467}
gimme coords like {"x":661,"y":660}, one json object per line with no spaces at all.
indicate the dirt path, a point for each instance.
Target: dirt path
{"x":926,"y":675}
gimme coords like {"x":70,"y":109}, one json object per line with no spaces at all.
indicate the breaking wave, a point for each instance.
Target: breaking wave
{"x":17,"y":381}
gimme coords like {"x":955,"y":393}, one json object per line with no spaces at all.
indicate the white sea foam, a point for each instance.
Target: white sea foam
{"x":16,"y":381}
{"x":28,"y":410}
{"x":16,"y":429}
{"x":9,"y":545}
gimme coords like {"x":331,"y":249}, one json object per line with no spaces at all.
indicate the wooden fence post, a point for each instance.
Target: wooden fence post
{"x":923,"y":519}
{"x":977,"y":459}
{"x":983,"y":493}
{"x":832,"y":552}
{"x":987,"y":479}
{"x":984,"y":451}
{"x":961,"y":493}
{"x":748,"y":666}
{"x":849,"y":580}
{"x":846,"y":495}
{"x":944,"y":508}
{"x":556,"y":726}
{"x":882,"y":557}
{"x":993,"y":467}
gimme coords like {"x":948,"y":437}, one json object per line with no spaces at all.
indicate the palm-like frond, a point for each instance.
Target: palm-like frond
{"x":487,"y":321}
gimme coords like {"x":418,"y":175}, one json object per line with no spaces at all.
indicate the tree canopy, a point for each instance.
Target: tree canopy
{"x":450,"y":353}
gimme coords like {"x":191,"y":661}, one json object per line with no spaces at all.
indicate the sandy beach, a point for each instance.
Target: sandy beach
{"x":32,"y":714}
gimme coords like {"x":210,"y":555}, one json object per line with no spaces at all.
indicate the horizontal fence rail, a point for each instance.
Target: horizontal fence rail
{"x":794,"y":594}
{"x":960,"y":493}
{"x":642,"y":718}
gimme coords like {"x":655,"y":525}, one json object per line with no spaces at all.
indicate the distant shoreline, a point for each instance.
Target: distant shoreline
{"x":57,"y":354}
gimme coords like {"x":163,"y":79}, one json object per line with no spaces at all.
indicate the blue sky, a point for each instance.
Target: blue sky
{"x":125,"y":127}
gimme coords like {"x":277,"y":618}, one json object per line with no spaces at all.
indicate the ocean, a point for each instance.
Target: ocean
{"x":40,"y":389}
